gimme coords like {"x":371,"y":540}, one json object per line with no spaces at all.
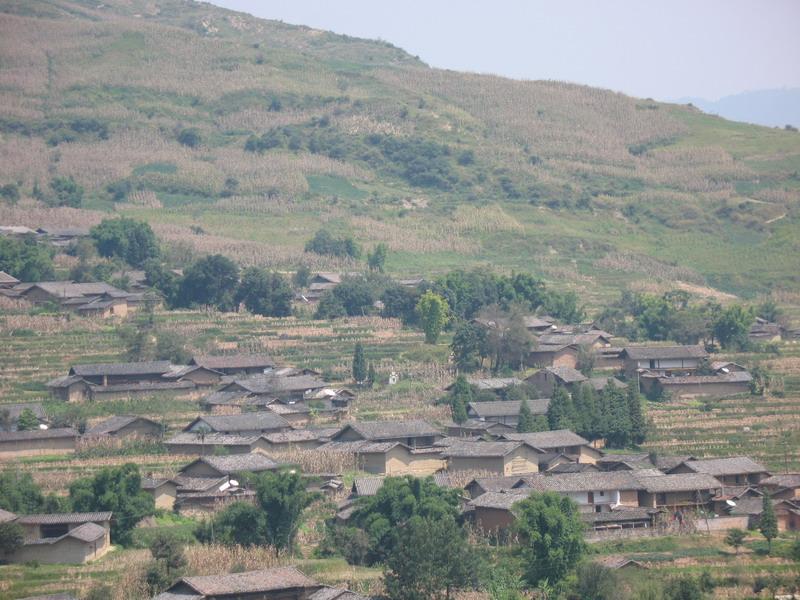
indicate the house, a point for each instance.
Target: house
{"x":212,"y":443}
{"x":596,"y":491}
{"x":608,"y":357}
{"x":278,"y":583}
{"x":598,"y":384}
{"x":503,"y":458}
{"x":679,"y":490}
{"x":245,"y":423}
{"x":505,"y":412}
{"x":7,"y":281}
{"x":298,"y":439}
{"x":545,"y":380}
{"x":730,"y":496}
{"x":69,"y":388}
{"x":787,"y":512}
{"x":366,"y":486}
{"x":492,"y":512}
{"x":737,"y":470}
{"x":782,"y":487}
{"x":205,"y":495}
{"x":235,"y":364}
{"x":10,"y":413}
{"x":475,"y":428}
{"x":388,"y":458}
{"x":329,"y":593}
{"x":104,"y":374}
{"x":496,"y":385}
{"x":62,"y":236}
{"x":36,"y":442}
{"x":616,"y":563}
{"x":693,"y":386}
{"x":553,"y":355}
{"x":414,"y":433}
{"x":484,"y":485}
{"x":277,"y":386}
{"x":662,"y":359}
{"x":127,"y":427}
{"x":88,"y":299}
{"x":224,"y":466}
{"x":591,"y":340}
{"x":164,"y":491}
{"x":198,"y":375}
{"x":560,"y":441}
{"x":764,"y":331}
{"x":63,"y":538}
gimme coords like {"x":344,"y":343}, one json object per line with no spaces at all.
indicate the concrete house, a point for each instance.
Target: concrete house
{"x":279,"y":583}
{"x":245,"y":423}
{"x":36,"y":442}
{"x":414,"y":433}
{"x":226,"y":466}
{"x":63,"y":538}
{"x":126,"y":427}
{"x":502,"y":458}
{"x":662,"y":359}
{"x":737,"y":470}
{"x":164,"y":491}
{"x":545,"y":380}
{"x":559,"y":441}
{"x":235,"y":364}
{"x":504,"y":411}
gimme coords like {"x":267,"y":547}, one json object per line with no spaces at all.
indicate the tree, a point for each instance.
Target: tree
{"x":11,"y":537}
{"x":356,"y":294}
{"x":301,"y":276}
{"x":586,"y":412}
{"x":25,"y":259}
{"x":469,"y":346}
{"x":731,"y":326}
{"x":283,"y":498}
{"x":189,"y":137}
{"x":376,"y":260}
{"x":596,"y":582}
{"x":211,"y":281}
{"x":432,"y":311}
{"x":66,"y":192}
{"x":19,"y":493}
{"x":585,"y":361}
{"x":768,"y":524}
{"x":327,"y":244}
{"x":330,"y":307}
{"x":735,"y":538}
{"x":458,"y":409}
{"x":359,"y":363}
{"x":168,"y":549}
{"x":636,"y":416}
{"x":400,"y":301}
{"x":116,"y":489}
{"x":551,"y":536}
{"x":561,"y":411}
{"x":684,"y":587}
{"x":27,"y":420}
{"x":239,"y":523}
{"x":372,"y":377}
{"x":130,"y":240}
{"x":157,"y":276}
{"x":616,"y":419}
{"x":429,"y":560}
{"x":526,"y":423}
{"x":460,"y":395}
{"x":265,"y":293}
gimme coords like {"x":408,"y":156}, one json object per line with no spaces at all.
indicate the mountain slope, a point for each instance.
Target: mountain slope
{"x":771,"y":108}
{"x":585,"y":187}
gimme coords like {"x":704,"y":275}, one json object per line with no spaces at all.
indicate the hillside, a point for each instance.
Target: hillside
{"x":286,"y":128}
{"x":773,"y":108}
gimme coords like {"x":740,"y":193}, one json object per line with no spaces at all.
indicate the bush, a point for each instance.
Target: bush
{"x":130,"y":240}
{"x":25,"y":259}
{"x":66,"y":192}
{"x":326,"y":244}
{"x":10,"y":193}
{"x":189,"y":137}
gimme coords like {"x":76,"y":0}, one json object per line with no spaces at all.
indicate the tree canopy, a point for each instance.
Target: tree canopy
{"x":265,"y":293}
{"x":433,"y":313}
{"x":211,"y":281}
{"x":26,"y":259}
{"x":127,"y":239}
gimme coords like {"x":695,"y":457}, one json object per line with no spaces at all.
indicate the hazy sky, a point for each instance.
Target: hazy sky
{"x":665,"y":49}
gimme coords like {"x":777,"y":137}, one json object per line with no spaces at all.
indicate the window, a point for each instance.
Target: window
{"x":53,"y":531}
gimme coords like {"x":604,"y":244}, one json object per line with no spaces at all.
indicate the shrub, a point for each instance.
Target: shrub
{"x":189,"y":137}
{"x":327,"y":244}
{"x":66,"y":192}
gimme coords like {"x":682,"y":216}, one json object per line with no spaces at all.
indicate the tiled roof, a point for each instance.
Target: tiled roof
{"x":573,"y":339}
{"x":6,"y":278}
{"x":503,"y":500}
{"x":37,"y":434}
{"x":6,"y":516}
{"x":223,"y":397}
{"x":548,"y":439}
{"x":507,"y":408}
{"x":367,"y":486}
{"x":114,"y":424}
{"x":664,"y":352}
{"x":272,"y":384}
{"x":789,"y":480}
{"x":465,"y":449}
{"x":496,"y":484}
{"x":148,"y":483}
{"x":587,"y":481}
{"x":88,"y":532}
{"x":237,"y":463}
{"x":566,"y":374}
{"x":299,"y":435}
{"x":250,"y":421}
{"x":158,"y":367}
{"x":211,"y":439}
{"x":336,"y":594}
{"x":600,"y":383}
{"x":15,"y":410}
{"x":234,"y":361}
{"x":678,"y":482}
{"x":64,"y":518}
{"x":359,"y":447}
{"x":391,"y":430}
{"x":197,"y":484}
{"x":726,"y":466}
{"x":619,"y":514}
{"x":732,"y":377}
{"x":250,"y":582}
{"x":495,"y":383}
{"x":68,"y":289}
{"x":143,"y":386}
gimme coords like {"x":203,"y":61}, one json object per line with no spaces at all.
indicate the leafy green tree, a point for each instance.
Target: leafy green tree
{"x":265,"y":293}
{"x":301,"y":276}
{"x":616,"y":418}
{"x":189,"y":137}
{"x":330,"y":307}
{"x":587,"y":413}
{"x":769,"y":310}
{"x":429,"y":560}
{"x":596,"y":582}
{"x":731,"y":326}
{"x":684,"y":587}
{"x":357,"y":295}
{"x":376,"y":260}
{"x":735,"y":538}
{"x":433,"y":314}
{"x":458,"y":409}
{"x":19,"y":493}
{"x":239,"y":523}
{"x":564,"y":306}
{"x":561,"y":411}
{"x":469,"y":346}
{"x":372,"y":377}
{"x":794,"y":550}
{"x":116,"y":489}
{"x":327,"y":244}
{"x":27,"y":420}
{"x":130,"y":240}
{"x":636,"y":416}
{"x":166,"y":548}
{"x":360,"y":369}
{"x":10,"y":193}
{"x":526,"y":423}
{"x":211,"y":281}
{"x":585,"y":361}
{"x":162,"y":279}
{"x":551,"y":536}
{"x":768,"y":524}
{"x":283,"y":498}
{"x":11,"y":537}
{"x":25,"y":259}
{"x":459,"y":396}
{"x":398,"y":500}
{"x":400,"y":302}
{"x":66,"y":192}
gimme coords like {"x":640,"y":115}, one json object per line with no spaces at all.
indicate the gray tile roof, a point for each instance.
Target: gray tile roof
{"x":15,"y":410}
{"x":224,"y":398}
{"x":496,"y":484}
{"x":69,"y":289}
{"x":492,"y":383}
{"x":507,"y":408}
{"x":726,"y":466}
{"x":664,"y":352}
{"x":392,"y":430}
{"x":548,"y":439}
{"x":620,"y":514}
{"x":336,"y":594}
{"x":250,"y":582}
{"x":299,"y":435}
{"x":502,"y":500}
{"x":272,"y":384}
{"x":88,"y":532}
{"x":251,"y":421}
{"x":64,"y":518}
{"x":149,"y":483}
{"x":114,"y":424}
{"x":600,"y":383}
{"x":158,"y":367}
{"x":187,"y":438}
{"x":37,"y":434}
{"x":733,"y":377}
{"x":143,"y":386}
{"x":234,"y":361}
{"x":678,"y":482}
{"x":367,"y":486}
{"x":6,"y":516}
{"x":788,"y":480}
{"x":566,"y":374}
{"x":573,"y":339}
{"x":238,"y":463}
{"x":188,"y":484}
{"x":464,"y":449}
{"x":6,"y":278}
{"x":586,"y":481}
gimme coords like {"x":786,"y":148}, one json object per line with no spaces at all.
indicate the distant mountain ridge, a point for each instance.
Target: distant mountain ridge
{"x":771,"y":108}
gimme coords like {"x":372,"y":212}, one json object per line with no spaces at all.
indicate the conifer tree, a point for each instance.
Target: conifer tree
{"x":359,"y":363}
{"x":459,"y":409}
{"x":637,"y":419}
{"x":768,"y":524}
{"x":371,"y":375}
{"x":617,"y":420}
{"x":460,"y":396}
{"x":525,"y":423}
{"x":587,"y":417}
{"x":561,"y":412}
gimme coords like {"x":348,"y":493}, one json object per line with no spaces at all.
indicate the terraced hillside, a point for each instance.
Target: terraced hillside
{"x":243,"y":136}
